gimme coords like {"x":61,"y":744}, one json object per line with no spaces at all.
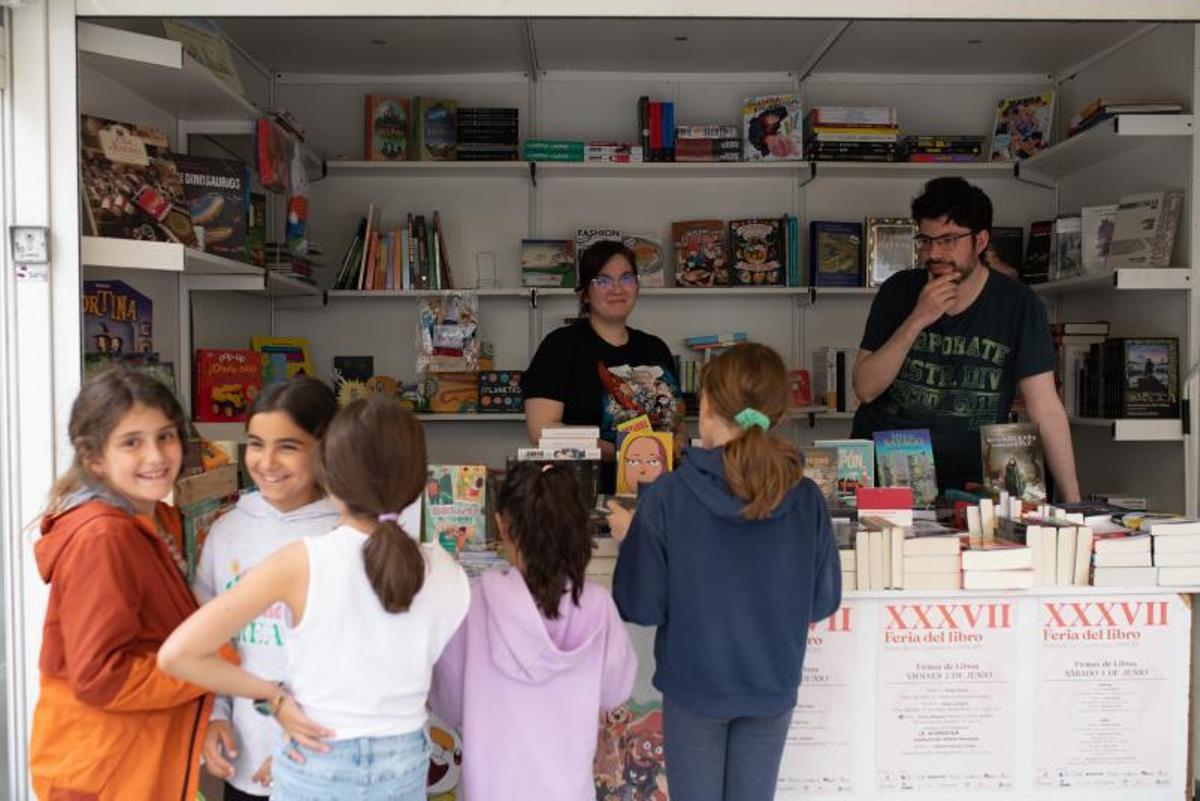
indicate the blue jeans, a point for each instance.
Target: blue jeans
{"x":722,"y":759}
{"x":364,"y":769}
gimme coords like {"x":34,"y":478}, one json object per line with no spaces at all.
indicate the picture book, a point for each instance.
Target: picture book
{"x":1023,"y":126}
{"x":386,"y":128}
{"x":757,"y":250}
{"x":642,"y":456}
{"x":500,"y":391}
{"x":1013,"y":461}
{"x":773,"y":127}
{"x":1144,"y":230}
{"x":434,"y":129}
{"x":117,"y":319}
{"x":227,"y":382}
{"x":131,"y":189}
{"x":651,"y":261}
{"x":835,"y":253}
{"x":282,"y":358}
{"x":701,"y":255}
{"x":548,"y":263}
{"x":455,"y":507}
{"x":586,"y":237}
{"x":821,"y":465}
{"x":1096,"y":234}
{"x":905,"y":459}
{"x":216,"y":194}
{"x":448,"y":333}
{"x":856,"y":466}
{"x":1004,"y":249}
{"x":455,"y":392}
{"x":629,"y":761}
{"x":890,"y":247}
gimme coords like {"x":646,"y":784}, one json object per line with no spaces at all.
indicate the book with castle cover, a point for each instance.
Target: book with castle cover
{"x":856,"y":467}
{"x":1013,"y":461}
{"x":1023,"y":126}
{"x":435,"y":129}
{"x":651,"y":261}
{"x":548,"y":263}
{"x":773,"y":127}
{"x":758,"y":252}
{"x":117,"y":319}
{"x":835,"y":253}
{"x":701,"y":253}
{"x":905,"y":459}
{"x":227,"y":382}
{"x":455,"y":507}
{"x":386,"y":127}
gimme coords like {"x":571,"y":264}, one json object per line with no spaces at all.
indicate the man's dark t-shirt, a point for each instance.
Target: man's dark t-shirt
{"x":961,"y":372}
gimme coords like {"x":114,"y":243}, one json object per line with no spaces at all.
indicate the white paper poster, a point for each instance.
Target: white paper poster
{"x":1106,"y":669}
{"x":819,"y":756}
{"x":946,"y":683}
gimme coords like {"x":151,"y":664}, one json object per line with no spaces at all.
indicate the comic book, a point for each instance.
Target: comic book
{"x":773,"y":127}
{"x":1023,"y":126}
{"x":701,"y":255}
{"x":758,"y":253}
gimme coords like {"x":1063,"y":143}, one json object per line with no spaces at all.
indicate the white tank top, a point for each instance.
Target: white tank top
{"x":355,"y":668}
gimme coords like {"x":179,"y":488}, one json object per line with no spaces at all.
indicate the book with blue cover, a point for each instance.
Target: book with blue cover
{"x":835,"y":253}
{"x":905,"y":459}
{"x":856,"y":467}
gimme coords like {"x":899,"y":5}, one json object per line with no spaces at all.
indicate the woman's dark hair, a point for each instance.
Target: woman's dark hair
{"x":963,"y":203}
{"x":309,"y":402}
{"x":592,"y":261}
{"x":550,"y":525}
{"x":373,"y":461}
{"x":103,"y":400}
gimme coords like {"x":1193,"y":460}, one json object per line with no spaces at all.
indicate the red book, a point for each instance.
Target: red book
{"x":873,"y":498}
{"x":227,"y":382}
{"x":656,"y":142}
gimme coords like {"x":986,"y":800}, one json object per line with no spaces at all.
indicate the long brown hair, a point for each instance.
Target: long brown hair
{"x":103,"y":400}
{"x":760,"y":469}
{"x":373,"y":461}
{"x":550,"y":525}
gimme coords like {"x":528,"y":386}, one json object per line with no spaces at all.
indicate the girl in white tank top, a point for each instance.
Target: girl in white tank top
{"x":372,"y":611}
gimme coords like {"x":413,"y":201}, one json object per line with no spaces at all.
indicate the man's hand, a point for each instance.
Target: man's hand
{"x":218,"y":744}
{"x":936,"y":299}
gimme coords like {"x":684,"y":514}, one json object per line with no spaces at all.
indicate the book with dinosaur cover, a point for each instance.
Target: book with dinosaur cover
{"x":216,"y":193}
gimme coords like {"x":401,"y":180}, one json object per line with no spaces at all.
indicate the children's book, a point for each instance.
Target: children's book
{"x":386,"y":128}
{"x":856,"y":466}
{"x":642,"y":456}
{"x":905,"y":459}
{"x":773,"y":127}
{"x":455,"y":507}
{"x":548,"y":263}
{"x":651,"y":262}
{"x":282,"y":358}
{"x":227,"y":382}
{"x":835,"y":253}
{"x":500,"y":392}
{"x":1013,"y":461}
{"x":1023,"y":126}
{"x":434,"y":129}
{"x":117,"y":319}
{"x":216,"y":191}
{"x":758,"y":252}
{"x":701,"y":254}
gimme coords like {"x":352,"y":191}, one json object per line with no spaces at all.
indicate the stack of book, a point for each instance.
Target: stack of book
{"x":1122,"y":558}
{"x":941,"y":148}
{"x":616,"y":152}
{"x":281,"y":261}
{"x":1128,"y":377}
{"x":997,"y":565}
{"x":922,"y":556}
{"x":553,"y":150}
{"x":487,"y":134}
{"x":1072,"y":341}
{"x":708,"y":143}
{"x":1176,"y":546}
{"x":832,"y":378}
{"x":1103,"y":108}
{"x":411,"y":255}
{"x":852,"y":133}
{"x":576,"y":448}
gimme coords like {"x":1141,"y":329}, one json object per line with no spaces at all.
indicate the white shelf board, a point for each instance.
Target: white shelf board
{"x":911,"y":169}
{"x":724,"y":291}
{"x":524,"y":293}
{"x":1126,"y":279}
{"x":672,"y":169}
{"x":286,"y":286}
{"x":471,"y":417}
{"x":846,"y":291}
{"x":159,"y":71}
{"x":132,"y":254}
{"x":1125,"y":430}
{"x":392,"y":294}
{"x":222,"y":432}
{"x":427,"y":169}
{"x":1105,"y":140}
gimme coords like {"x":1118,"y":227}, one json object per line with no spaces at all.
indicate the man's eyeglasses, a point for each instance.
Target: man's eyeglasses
{"x":606,"y":282}
{"x":947,"y":242}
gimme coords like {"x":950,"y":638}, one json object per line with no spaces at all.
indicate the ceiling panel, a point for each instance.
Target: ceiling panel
{"x":940,"y":47}
{"x":358,"y":46}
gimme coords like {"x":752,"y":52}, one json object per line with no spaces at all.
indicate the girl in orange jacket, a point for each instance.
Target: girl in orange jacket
{"x":108,"y":723}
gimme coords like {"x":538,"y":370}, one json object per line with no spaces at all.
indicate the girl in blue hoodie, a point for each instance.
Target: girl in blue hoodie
{"x":731,"y":556}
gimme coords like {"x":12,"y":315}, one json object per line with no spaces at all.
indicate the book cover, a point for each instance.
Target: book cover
{"x":435,"y":129}
{"x":282,"y":358}
{"x":701,"y":255}
{"x":131,"y":189}
{"x":1035,"y":269}
{"x":350,"y":377}
{"x":448,"y":333}
{"x":835,"y":253}
{"x":890,"y":247}
{"x":548,"y":263}
{"x":1148,"y":372}
{"x":1065,"y":248}
{"x":216,"y":191}
{"x":856,"y":466}
{"x":586,"y":237}
{"x":1023,"y":126}
{"x":905,"y":459}
{"x":1013,"y":461}
{"x":1144,"y":230}
{"x":1004,"y":249}
{"x":227,"y":382}
{"x":452,"y":392}
{"x":800,"y":386}
{"x":772,"y":126}
{"x":500,"y":391}
{"x":757,"y":252}
{"x":387,"y":124}
{"x":642,"y":457}
{"x":651,"y":261}
{"x":455,"y":507}
{"x":117,"y":319}
{"x":1096,"y":233}
{"x":821,"y":465}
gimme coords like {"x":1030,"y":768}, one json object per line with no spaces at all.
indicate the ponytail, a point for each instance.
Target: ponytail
{"x":748,"y":384}
{"x":373,"y":461}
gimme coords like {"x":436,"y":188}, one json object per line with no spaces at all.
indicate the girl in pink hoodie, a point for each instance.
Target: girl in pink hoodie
{"x":541,"y":654}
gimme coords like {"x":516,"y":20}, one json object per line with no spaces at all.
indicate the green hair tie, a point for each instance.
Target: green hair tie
{"x":749,"y":418}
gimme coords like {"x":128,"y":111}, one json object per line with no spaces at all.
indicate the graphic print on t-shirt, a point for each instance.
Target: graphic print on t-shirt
{"x":952,"y":375}
{"x":633,"y":391}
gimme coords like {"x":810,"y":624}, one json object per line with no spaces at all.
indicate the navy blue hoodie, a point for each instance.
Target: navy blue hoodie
{"x":732,"y":598}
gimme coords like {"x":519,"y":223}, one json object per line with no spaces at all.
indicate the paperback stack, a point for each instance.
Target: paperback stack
{"x":553,"y":150}
{"x":573,"y":447}
{"x":1131,"y":378}
{"x":1176,"y":546}
{"x":923,"y":556}
{"x":852,"y":133}
{"x":1122,"y":558}
{"x":708,"y":143}
{"x":616,"y":152}
{"x":997,"y":565}
{"x":941,"y":148}
{"x":487,"y":134}
{"x":1103,"y":108}
{"x":1072,"y":340}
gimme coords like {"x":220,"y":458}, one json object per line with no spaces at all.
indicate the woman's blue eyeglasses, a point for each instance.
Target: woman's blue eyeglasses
{"x":606,"y":282}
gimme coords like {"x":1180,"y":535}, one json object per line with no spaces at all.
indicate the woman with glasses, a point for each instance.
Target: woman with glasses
{"x":599,"y":371}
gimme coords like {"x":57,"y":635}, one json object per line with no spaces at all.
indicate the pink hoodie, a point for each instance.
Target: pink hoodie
{"x":527,"y":692}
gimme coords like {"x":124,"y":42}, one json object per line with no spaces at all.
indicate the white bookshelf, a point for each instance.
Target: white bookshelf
{"x":426,"y":169}
{"x":1169,"y":278}
{"x":1107,"y":139}
{"x":132,"y":254}
{"x":1127,"y":430}
{"x":925,"y":171}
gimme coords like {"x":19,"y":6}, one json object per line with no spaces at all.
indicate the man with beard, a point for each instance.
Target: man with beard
{"x":948,"y":347}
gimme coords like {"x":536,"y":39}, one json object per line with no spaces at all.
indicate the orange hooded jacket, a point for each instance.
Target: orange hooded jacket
{"x":108,"y":723}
